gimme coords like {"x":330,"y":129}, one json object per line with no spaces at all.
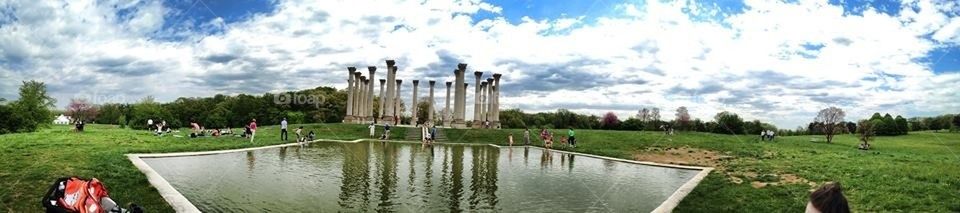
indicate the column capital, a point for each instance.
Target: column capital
{"x":399,"y":81}
{"x":461,"y":66}
{"x":490,"y":80}
{"x":496,"y":76}
{"x":478,"y":74}
{"x":351,"y":69}
{"x":483,"y":84}
{"x":357,"y":74}
{"x":432,"y":82}
{"x":372,"y":68}
{"x":415,"y":82}
{"x":363,"y":78}
{"x":382,"y":81}
{"x":449,"y":83}
{"x":390,"y":63}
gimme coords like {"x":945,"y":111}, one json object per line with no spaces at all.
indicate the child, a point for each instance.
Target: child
{"x":828,"y":199}
{"x":548,"y":141}
{"x":300,"y":137}
{"x":563,"y":141}
{"x":510,"y":138}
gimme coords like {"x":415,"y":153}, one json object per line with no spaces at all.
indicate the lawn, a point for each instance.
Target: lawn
{"x":917,"y":172}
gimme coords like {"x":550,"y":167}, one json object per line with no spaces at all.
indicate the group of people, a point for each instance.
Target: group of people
{"x":301,"y":137}
{"x":767,"y":135}
{"x":547,"y":138}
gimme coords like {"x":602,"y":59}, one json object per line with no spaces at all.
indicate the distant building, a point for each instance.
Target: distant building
{"x":62,"y":119}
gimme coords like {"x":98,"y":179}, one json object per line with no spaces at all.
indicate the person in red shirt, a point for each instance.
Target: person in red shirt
{"x":253,"y":129}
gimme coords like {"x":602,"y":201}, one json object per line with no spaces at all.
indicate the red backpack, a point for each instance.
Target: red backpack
{"x":75,"y":195}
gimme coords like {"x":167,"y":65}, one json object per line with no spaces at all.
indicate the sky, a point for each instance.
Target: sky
{"x":776,"y":61}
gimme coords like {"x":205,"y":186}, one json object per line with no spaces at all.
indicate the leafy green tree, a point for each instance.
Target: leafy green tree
{"x":956,"y":122}
{"x":512,"y":118}
{"x":147,"y":109}
{"x":728,"y":123}
{"x":122,"y":121}
{"x":11,"y":122}
{"x":33,"y":106}
{"x":902,"y":126}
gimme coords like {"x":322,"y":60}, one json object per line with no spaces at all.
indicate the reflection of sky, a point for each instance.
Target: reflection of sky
{"x":375,"y":176}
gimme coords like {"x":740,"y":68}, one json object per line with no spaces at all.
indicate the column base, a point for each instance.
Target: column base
{"x":386,"y":120}
{"x":458,"y":124}
{"x":413,"y":121}
{"x":476,"y":124}
{"x":348,"y":119}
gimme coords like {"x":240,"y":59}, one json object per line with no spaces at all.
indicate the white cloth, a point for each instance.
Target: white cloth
{"x":283,"y":124}
{"x":373,"y":129}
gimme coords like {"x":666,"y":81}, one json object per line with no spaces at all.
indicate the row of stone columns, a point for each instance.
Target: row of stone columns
{"x":360,"y":93}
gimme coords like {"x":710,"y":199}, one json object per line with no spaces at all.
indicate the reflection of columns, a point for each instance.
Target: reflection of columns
{"x":391,"y":86}
{"x":483,"y":103}
{"x":415,"y":107}
{"x":381,"y":98}
{"x":476,"y":100}
{"x":446,"y":110}
{"x":349,"y":117}
{"x":489,"y":101}
{"x":368,"y":106}
{"x":396,"y":103}
{"x":495,"y":122}
{"x":460,"y":98}
{"x":431,"y":101}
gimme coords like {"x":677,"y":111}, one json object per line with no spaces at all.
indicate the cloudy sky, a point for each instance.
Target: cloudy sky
{"x":777,"y":61}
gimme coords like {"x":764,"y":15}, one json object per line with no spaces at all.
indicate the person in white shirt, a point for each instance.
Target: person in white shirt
{"x":283,"y":130}
{"x":149,"y":124}
{"x":373,"y":130}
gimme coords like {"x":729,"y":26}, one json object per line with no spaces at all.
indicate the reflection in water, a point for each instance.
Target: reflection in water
{"x":368,"y":177}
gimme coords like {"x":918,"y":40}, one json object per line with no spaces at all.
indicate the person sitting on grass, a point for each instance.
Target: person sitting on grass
{"x":310,"y":135}
{"x":215,"y":132}
{"x":828,"y":199}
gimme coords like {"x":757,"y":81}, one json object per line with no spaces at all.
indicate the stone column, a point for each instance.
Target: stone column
{"x":459,"y":99}
{"x":379,"y":115}
{"x":387,"y":116}
{"x":368,"y":107}
{"x":360,"y":99}
{"x":396,"y":103}
{"x":446,"y":117}
{"x":463,"y":112}
{"x":367,"y":94}
{"x":482,"y":104}
{"x":489,"y":101}
{"x":476,"y":100}
{"x":413,"y":109}
{"x":431,"y":101}
{"x":356,"y":95}
{"x":496,"y":101}
{"x":349,"y":117}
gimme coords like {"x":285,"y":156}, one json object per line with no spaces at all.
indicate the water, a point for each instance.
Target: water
{"x":402,"y":177}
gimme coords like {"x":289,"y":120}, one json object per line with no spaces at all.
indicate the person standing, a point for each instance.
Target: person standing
{"x":150,"y":124}
{"x":373,"y":130}
{"x":283,"y":130}
{"x":253,"y":129}
{"x":571,"y":138}
{"x":526,"y":136}
{"x":510,"y":139}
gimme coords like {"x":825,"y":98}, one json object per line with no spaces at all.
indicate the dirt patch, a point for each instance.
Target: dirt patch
{"x":682,"y":156}
{"x":720,"y":161}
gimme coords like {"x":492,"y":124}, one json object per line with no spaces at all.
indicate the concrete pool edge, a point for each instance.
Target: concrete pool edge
{"x":182,"y":204}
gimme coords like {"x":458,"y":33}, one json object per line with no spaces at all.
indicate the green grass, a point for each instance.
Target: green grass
{"x":919,"y":172}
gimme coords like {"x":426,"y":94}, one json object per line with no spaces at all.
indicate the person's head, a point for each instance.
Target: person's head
{"x":828,"y":199}
{"x":301,"y":127}
{"x":254,"y":120}
{"x":284,"y":119}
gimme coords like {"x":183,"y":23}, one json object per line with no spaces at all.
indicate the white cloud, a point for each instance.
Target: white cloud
{"x":756,"y":63}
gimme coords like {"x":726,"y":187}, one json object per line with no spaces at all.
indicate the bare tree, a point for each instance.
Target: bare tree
{"x":683,"y":117}
{"x":866,"y":133}
{"x":832,"y":119}
{"x":655,"y":114}
{"x":643,"y":115}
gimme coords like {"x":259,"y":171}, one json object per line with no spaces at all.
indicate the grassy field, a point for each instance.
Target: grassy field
{"x":919,"y":172}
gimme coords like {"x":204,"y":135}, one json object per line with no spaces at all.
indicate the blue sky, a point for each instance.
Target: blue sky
{"x":777,"y":61}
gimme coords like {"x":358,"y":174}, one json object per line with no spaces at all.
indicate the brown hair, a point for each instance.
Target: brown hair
{"x":829,"y":199}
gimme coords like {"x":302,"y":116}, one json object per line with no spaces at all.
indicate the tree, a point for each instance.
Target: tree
{"x":889,"y":126}
{"x":643,"y":115}
{"x":11,"y":122}
{"x":902,"y":126}
{"x":830,"y":118}
{"x":33,"y":106}
{"x":728,"y":123}
{"x":866,"y":131}
{"x":683,"y":118}
{"x":956,"y":121}
{"x":512,"y":118}
{"x":610,"y":121}
{"x":631,"y":124}
{"x":655,"y":114}
{"x":82,"y":110}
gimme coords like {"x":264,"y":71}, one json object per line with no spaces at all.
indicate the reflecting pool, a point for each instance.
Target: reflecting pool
{"x":406,"y":177}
